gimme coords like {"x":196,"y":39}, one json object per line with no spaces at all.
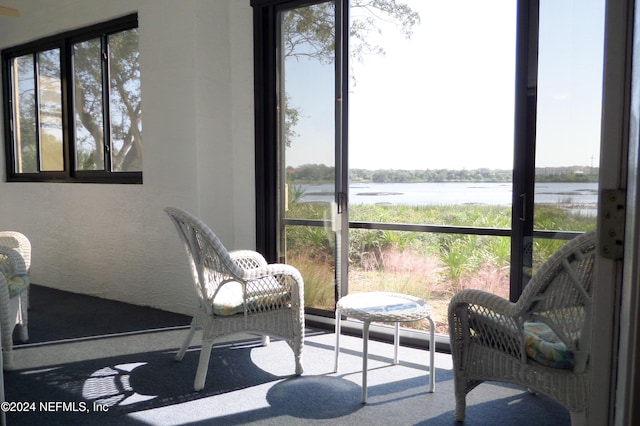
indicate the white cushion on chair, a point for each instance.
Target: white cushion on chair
{"x":229,"y":299}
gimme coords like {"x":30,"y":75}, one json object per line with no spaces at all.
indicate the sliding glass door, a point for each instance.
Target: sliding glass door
{"x":423,"y":147}
{"x":309,"y":148}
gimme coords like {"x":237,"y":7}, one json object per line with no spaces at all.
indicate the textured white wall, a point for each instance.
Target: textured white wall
{"x":114,"y":241}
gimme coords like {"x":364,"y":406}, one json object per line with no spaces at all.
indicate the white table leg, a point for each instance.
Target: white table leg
{"x":432,"y":356}
{"x":337,"y":348}
{"x":396,"y":343}
{"x":365,"y":357}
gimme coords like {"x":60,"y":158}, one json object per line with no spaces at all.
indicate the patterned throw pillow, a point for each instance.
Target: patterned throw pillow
{"x":17,"y":282}
{"x":545,"y":347}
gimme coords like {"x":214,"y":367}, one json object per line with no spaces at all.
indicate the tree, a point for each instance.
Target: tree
{"x":39,"y":144}
{"x":309,"y":33}
{"x":124,"y":103}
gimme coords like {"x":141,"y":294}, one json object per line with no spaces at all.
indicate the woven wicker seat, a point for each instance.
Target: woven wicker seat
{"x":238,"y":292}
{"x":14,"y":282}
{"x":489,"y":335}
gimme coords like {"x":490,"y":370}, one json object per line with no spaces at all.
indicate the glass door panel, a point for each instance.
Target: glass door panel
{"x":307,"y":140}
{"x":570,"y":66}
{"x":431,"y":139}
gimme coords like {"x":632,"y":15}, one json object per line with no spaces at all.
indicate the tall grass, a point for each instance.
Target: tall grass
{"x":427,"y":265}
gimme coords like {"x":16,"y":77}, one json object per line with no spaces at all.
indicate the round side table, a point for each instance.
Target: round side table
{"x":384,"y":307}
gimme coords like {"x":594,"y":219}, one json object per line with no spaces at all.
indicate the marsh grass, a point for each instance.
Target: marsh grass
{"x":427,"y":265}
{"x":319,"y":278}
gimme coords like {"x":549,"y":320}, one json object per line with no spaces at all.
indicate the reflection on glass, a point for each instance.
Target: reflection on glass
{"x":568,"y":118}
{"x":307,"y":114}
{"x":311,"y":250}
{"x":87,"y":78}
{"x":306,"y":126}
{"x":50,"y":111}
{"x":25,"y":114}
{"x":125,"y":102}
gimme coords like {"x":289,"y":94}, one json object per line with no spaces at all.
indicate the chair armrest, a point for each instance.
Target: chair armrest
{"x":12,"y":262}
{"x":489,"y":319}
{"x":18,"y":241}
{"x":248,"y":259}
{"x":274,"y":278}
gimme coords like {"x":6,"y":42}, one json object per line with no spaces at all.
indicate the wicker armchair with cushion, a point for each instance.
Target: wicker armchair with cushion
{"x":14,"y":282}
{"x":542,"y":341}
{"x":238,"y":292}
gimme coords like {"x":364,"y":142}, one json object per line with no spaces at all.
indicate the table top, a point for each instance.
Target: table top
{"x":384,"y":306}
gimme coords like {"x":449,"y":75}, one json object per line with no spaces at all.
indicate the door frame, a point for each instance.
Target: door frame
{"x":616,"y":298}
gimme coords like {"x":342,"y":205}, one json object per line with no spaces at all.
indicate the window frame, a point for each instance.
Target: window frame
{"x":65,"y":42}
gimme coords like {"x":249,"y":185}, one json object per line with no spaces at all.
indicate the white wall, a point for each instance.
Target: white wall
{"x":114,"y":241}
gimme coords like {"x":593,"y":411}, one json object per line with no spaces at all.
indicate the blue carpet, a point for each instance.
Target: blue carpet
{"x":246,"y":383}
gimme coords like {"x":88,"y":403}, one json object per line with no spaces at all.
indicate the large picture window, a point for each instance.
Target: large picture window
{"x":72,"y":106}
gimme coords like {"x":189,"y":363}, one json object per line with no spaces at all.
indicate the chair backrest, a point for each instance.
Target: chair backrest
{"x":559,"y":294}
{"x":211,"y":264}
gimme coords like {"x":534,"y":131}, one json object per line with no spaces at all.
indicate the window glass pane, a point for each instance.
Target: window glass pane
{"x":87,"y":78}
{"x":124,"y":98}
{"x":311,"y":251}
{"x":24,"y":101}
{"x":307,"y":145}
{"x":53,"y":135}
{"x":50,"y":109}
{"x":431,"y":108}
{"x":431,"y":140}
{"x":570,"y":67}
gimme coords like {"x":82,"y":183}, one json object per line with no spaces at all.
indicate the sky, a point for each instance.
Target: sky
{"x":445,"y":97}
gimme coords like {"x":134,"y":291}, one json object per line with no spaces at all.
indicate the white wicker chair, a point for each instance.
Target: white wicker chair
{"x":14,"y":282}
{"x":489,"y":340}
{"x":21,"y":244}
{"x":269,"y":298}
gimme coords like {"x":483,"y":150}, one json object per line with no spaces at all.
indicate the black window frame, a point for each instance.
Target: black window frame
{"x":65,"y":42}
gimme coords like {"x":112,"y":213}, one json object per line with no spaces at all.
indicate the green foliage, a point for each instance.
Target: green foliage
{"x":307,"y":173}
{"x":308,"y":33}
{"x":124,"y":100}
{"x":311,"y":173}
{"x":462,"y":260}
{"x":592,"y":176}
{"x":296,"y":193}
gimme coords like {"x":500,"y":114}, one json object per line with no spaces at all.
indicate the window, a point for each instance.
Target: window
{"x":72,"y":106}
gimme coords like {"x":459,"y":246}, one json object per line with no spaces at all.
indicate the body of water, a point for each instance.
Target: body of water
{"x":581,"y":197}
